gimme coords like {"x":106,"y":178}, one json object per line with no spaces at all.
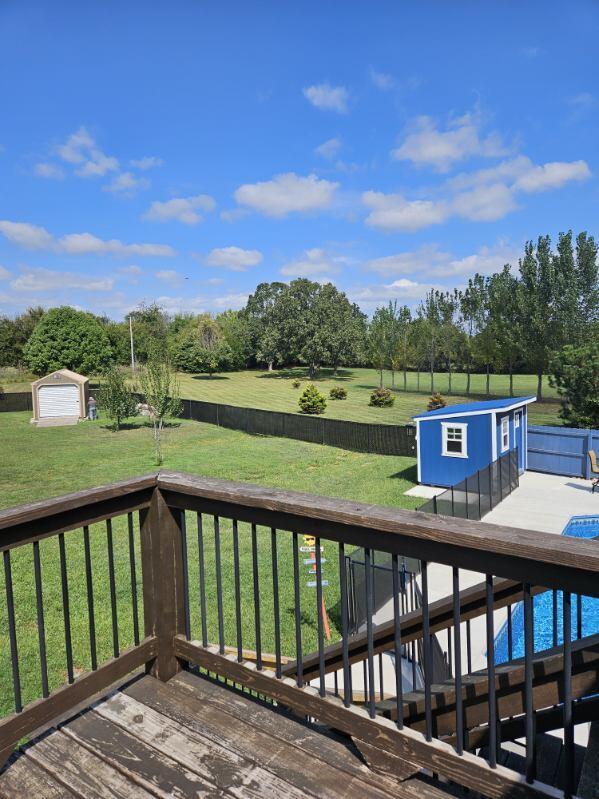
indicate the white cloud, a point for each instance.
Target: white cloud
{"x":201,"y":304}
{"x":402,"y":290}
{"x":329,"y":148}
{"x":426,"y":145}
{"x":215,"y":281}
{"x":234,"y":258}
{"x":131,"y":270}
{"x":149,"y":162}
{"x":48,"y":171}
{"x":81,"y":150}
{"x":33,"y":237}
{"x":287,"y":193}
{"x":552,"y":175}
{"x":37,"y":279}
{"x":230,"y":301}
{"x":313,"y":263}
{"x":126,"y":184}
{"x":407,"y":263}
{"x":327,"y":97}
{"x":181,"y":209}
{"x":381,"y":80}
{"x":484,"y":203}
{"x":233,"y":214}
{"x":394,"y":212}
{"x":168,"y":275}
{"x":4,"y":273}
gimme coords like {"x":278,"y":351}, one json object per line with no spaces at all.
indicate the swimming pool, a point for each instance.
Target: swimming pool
{"x":548,"y":609}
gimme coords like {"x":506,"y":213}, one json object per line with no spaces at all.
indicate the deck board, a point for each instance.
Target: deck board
{"x":192,"y":737}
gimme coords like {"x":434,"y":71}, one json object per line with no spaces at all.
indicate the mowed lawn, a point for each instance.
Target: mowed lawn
{"x":274,"y":391}
{"x":49,"y":462}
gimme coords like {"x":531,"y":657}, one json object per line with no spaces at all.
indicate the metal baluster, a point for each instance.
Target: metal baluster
{"x":219,"y":586}
{"x":111,"y":579}
{"x":319,"y":611}
{"x":427,"y":652}
{"x":298,"y":614}
{"x":65,"y":607}
{"x":381,"y":684}
{"x":347,"y":697}
{"x":12,"y":632}
{"x":568,"y":775}
{"x":449,"y":652}
{"x":510,"y":640}
{"x":134,"y":577}
{"x":397,"y":642}
{"x":237,"y":591}
{"x":256,"y":597}
{"x":491,"y":674}
{"x":41,"y":630}
{"x":185,"y":564}
{"x":468,"y":647}
{"x":90,"y":600}
{"x":202,"y":580}
{"x":528,"y":676}
{"x":459,"y":711}
{"x":554,"y":617}
{"x":578,"y":616}
{"x":275,"y":590}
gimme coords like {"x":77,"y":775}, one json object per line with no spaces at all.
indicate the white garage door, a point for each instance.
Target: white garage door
{"x":59,"y":401}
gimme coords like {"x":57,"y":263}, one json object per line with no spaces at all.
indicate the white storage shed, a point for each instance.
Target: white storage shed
{"x":60,"y":395}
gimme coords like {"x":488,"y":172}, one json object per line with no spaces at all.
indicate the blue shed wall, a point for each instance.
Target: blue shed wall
{"x":443,"y":470}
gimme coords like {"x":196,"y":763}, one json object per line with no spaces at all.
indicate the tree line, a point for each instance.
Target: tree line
{"x":515,"y":320}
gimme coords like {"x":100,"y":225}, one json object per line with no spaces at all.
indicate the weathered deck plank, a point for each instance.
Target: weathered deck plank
{"x":24,"y":779}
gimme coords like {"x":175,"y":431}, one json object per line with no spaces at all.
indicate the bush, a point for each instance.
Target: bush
{"x":338,"y":392}
{"x":312,"y":401}
{"x":116,"y":399}
{"x":382,"y":398}
{"x":296,"y":383}
{"x":436,"y":401}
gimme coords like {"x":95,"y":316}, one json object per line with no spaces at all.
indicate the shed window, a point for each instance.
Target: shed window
{"x":455,"y":440}
{"x":505,"y":434}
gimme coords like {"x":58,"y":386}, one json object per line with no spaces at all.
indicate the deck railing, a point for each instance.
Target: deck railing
{"x":170,"y":571}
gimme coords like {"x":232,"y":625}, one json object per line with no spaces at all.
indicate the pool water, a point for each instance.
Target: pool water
{"x":545,"y":636}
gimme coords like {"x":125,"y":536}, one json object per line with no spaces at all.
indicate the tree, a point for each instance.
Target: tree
{"x":505,"y":320}
{"x":14,"y":334}
{"x":236,"y":333}
{"x":576,"y":377}
{"x":150,"y":326}
{"x":67,"y":339}
{"x":263,"y":335}
{"x":160,"y":388}
{"x":469,"y":310}
{"x":451,"y":338}
{"x":201,"y":347}
{"x":484,"y":345}
{"x":379,"y":334}
{"x":312,"y":401}
{"x":343,"y":326}
{"x":402,"y":342}
{"x":430,"y":313}
{"x":116,"y":399}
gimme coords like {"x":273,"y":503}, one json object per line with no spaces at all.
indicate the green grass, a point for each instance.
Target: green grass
{"x":39,"y":463}
{"x":274,"y":391}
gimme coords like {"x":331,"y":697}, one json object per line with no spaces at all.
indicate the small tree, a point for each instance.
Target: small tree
{"x":435,"y":402}
{"x":116,"y":399}
{"x":576,"y":377}
{"x":160,"y":388}
{"x":338,"y":393}
{"x":312,"y":401}
{"x":382,"y":398}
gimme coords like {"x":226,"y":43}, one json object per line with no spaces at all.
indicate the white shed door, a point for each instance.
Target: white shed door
{"x":59,"y":400}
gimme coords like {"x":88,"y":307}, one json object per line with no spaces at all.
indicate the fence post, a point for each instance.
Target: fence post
{"x":490,"y":486}
{"x":435,"y":504}
{"x":163,"y":578}
{"x":587,"y":463}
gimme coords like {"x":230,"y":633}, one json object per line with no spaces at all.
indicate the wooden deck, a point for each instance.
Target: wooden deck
{"x":192,"y":737}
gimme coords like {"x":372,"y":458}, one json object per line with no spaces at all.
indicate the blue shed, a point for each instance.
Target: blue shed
{"x":456,"y":441}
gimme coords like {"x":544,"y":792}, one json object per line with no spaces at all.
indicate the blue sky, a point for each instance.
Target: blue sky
{"x":183,"y":152}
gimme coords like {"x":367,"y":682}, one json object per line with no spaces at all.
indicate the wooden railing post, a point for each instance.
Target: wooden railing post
{"x":163,"y":575}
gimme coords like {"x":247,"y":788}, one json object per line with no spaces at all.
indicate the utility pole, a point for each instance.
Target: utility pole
{"x":131,"y":339}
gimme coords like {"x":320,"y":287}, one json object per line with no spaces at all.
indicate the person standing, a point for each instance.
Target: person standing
{"x":92,"y":412}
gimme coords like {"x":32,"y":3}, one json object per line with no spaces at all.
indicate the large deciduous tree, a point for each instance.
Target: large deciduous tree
{"x":505,"y":320}
{"x":576,"y":376}
{"x":201,"y":347}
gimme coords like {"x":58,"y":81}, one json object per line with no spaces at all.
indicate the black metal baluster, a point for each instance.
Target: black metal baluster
{"x":347,"y":698}
{"x":468,"y":647}
{"x":219,"y":586}
{"x":449,"y":653}
{"x":202,"y":580}
{"x":491,"y":674}
{"x":459,"y":711}
{"x":133,"y":571}
{"x":381,"y":683}
{"x":427,"y":652}
{"x":237,"y":579}
{"x":12,"y":633}
{"x":257,"y":624}
{"x":397,"y":642}
{"x":528,"y":676}
{"x":554,"y":617}
{"x":510,"y":640}
{"x":90,"y":600}
{"x":578,"y":616}
{"x":111,"y":578}
{"x":298,"y":613}
{"x":320,"y":611}
{"x":275,"y":590}
{"x":568,"y":773}
{"x":41,"y":630}
{"x":65,"y":607}
{"x":185,"y":564}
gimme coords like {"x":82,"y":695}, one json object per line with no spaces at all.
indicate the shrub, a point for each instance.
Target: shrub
{"x":382,"y":398}
{"x":296,"y":383}
{"x":436,"y":401}
{"x":312,"y":401}
{"x":338,"y":392}
{"x":116,"y":399}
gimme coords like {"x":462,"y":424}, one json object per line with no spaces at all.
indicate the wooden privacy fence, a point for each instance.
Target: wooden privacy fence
{"x":561,"y":450}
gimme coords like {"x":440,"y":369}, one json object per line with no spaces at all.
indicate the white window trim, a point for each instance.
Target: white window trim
{"x":464,"y":428}
{"x":517,"y":419}
{"x":505,"y":423}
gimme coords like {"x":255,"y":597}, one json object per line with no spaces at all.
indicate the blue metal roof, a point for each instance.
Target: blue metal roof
{"x":468,"y":408}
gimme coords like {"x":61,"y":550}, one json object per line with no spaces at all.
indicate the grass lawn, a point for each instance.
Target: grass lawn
{"x":52,"y":461}
{"x":274,"y":391}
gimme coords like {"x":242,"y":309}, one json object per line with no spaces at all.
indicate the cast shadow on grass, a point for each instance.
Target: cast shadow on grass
{"x":305,"y":619}
{"x":302,"y":373}
{"x":207,"y":377}
{"x":410,"y":474}
{"x":138,"y":426}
